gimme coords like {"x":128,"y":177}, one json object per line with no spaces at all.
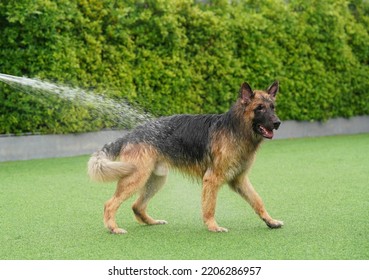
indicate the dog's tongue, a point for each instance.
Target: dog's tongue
{"x":266,"y":133}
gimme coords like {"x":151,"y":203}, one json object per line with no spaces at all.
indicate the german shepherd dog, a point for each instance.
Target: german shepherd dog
{"x":217,"y":148}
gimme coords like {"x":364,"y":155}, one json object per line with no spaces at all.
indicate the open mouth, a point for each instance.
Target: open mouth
{"x":266,"y":133}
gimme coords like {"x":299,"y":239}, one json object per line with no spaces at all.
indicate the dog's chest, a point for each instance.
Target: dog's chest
{"x":232,"y":159}
{"x":239,"y":166}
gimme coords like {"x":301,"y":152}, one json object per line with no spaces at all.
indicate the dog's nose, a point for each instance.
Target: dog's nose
{"x":276,"y":124}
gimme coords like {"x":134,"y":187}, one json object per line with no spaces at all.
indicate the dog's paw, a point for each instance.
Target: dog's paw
{"x":118,"y":231}
{"x":217,"y":229}
{"x":274,"y":224}
{"x":160,"y":222}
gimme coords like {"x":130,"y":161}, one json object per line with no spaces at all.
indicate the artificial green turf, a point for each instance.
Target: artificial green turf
{"x":318,"y":186}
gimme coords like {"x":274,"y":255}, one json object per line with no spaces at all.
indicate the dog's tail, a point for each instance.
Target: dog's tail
{"x":102,"y":166}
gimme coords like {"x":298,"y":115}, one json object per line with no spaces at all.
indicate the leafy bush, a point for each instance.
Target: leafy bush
{"x":181,"y":56}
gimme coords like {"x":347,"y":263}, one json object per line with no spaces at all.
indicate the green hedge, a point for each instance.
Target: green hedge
{"x":181,"y":56}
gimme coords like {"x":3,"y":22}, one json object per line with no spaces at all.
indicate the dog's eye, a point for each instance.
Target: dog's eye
{"x":272,"y":107}
{"x":260,"y":107}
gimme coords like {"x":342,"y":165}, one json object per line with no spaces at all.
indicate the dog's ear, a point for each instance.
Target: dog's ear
{"x":273,"y":89}
{"x":246,"y":93}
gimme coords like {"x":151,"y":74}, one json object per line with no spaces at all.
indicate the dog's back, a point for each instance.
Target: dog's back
{"x":183,"y":140}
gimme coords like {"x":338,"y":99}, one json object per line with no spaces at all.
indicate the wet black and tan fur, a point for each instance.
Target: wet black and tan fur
{"x":217,"y":148}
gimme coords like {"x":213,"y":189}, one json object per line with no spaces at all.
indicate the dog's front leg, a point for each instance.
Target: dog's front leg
{"x":243,"y":186}
{"x":210,"y":188}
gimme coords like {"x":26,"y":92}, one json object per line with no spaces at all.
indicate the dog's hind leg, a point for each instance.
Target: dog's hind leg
{"x":243,"y":187}
{"x":153,"y":185}
{"x":126,"y":187}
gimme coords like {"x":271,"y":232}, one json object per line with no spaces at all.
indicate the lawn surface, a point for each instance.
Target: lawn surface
{"x":318,"y":186}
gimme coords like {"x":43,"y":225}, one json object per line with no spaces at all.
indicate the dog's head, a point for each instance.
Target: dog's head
{"x":259,"y":108}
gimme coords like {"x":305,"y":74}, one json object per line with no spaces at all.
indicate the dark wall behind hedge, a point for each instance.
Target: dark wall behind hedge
{"x":181,"y":56}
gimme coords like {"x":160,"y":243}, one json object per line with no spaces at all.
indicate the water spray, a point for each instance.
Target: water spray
{"x":120,"y":113}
